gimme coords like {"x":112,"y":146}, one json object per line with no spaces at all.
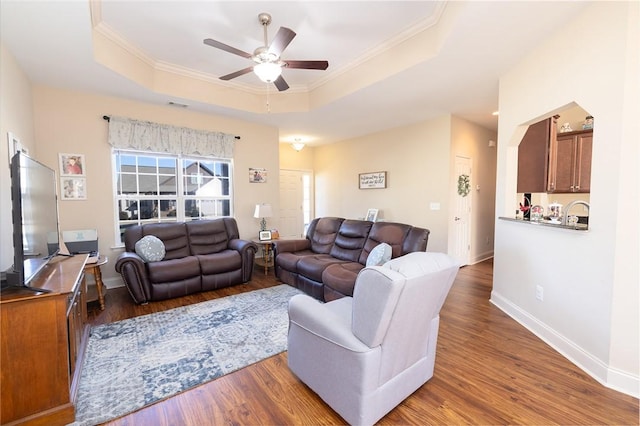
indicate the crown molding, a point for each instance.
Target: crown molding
{"x":392,"y":43}
{"x":108,"y":32}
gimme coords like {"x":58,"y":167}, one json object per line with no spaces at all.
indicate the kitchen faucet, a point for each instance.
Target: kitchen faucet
{"x":565,"y":216}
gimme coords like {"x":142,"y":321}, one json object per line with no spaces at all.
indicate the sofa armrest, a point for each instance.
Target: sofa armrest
{"x":288,"y":246}
{"x":134,"y":274}
{"x":247,"y":250}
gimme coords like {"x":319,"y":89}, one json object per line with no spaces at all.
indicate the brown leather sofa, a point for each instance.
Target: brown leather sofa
{"x":326,"y":263}
{"x":199,"y":256}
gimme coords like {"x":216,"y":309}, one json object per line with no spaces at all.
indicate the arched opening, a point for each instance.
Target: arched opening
{"x":554,"y":169}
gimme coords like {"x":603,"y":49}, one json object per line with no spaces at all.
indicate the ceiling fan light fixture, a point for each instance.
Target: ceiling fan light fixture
{"x":298,"y":146}
{"x":268,"y":66}
{"x":267,"y":71}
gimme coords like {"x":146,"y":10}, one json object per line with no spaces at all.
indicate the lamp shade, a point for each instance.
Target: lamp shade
{"x":262,"y":210}
{"x":267,"y":71}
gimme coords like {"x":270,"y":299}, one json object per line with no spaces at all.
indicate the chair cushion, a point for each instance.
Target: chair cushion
{"x":170,"y":271}
{"x":217,"y":263}
{"x":341,"y":278}
{"x":150,"y":249}
{"x":207,"y":236}
{"x":313,"y":266}
{"x":289,"y":261}
{"x":380,"y":255}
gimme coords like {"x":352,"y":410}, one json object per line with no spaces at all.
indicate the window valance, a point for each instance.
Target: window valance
{"x":126,"y":133}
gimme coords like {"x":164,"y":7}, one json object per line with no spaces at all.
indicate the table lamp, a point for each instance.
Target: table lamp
{"x":262,"y":212}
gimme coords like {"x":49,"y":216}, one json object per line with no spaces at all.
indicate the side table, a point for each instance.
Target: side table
{"x":94,"y":269}
{"x":267,"y":254}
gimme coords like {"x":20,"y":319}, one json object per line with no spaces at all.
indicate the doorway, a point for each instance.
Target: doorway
{"x":461,"y":241}
{"x":296,"y":202}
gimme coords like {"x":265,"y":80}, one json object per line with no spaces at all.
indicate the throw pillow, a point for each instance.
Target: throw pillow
{"x":379,"y":255}
{"x":150,"y":248}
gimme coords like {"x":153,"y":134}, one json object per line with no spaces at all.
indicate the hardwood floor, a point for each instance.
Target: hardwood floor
{"x":489,"y":370}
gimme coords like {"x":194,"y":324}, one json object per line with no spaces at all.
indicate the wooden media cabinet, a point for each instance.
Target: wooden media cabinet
{"x":42,"y":342}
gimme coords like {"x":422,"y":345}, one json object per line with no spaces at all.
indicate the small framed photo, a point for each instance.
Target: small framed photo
{"x":372,"y":215}
{"x":72,"y":165}
{"x":257,"y":175}
{"x":73,"y":188}
{"x":264,"y":235}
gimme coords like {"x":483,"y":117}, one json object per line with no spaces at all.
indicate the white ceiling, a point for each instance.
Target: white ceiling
{"x":52,"y":42}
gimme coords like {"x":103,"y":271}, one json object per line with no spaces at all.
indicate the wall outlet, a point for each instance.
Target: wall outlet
{"x":539,"y":293}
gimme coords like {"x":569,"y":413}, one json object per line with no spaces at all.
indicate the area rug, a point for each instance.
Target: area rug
{"x":133,"y":363}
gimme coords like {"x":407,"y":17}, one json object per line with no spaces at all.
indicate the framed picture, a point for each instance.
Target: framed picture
{"x":372,"y":215}
{"x":372,"y":180}
{"x":257,"y":175}
{"x":72,"y":165}
{"x":264,"y":235}
{"x":73,"y":188}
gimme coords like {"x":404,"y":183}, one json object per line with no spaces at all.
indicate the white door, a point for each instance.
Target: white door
{"x":295,"y":202}
{"x":461,"y":241}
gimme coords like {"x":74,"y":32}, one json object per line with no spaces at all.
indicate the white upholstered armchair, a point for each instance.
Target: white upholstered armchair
{"x":365,"y":354}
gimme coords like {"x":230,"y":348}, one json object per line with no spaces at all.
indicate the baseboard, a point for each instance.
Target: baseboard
{"x":482,"y":257}
{"x":623,"y":382}
{"x":599,"y":370}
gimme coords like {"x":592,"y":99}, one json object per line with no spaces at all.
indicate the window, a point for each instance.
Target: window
{"x":168,"y":188}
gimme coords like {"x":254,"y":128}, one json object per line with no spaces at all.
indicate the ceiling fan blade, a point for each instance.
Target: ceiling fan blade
{"x":237,"y":73}
{"x":281,"y":40}
{"x":307,"y":65}
{"x":281,"y":84}
{"x":226,"y":48}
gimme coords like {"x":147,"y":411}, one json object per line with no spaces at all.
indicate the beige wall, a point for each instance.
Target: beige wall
{"x":412,"y":156}
{"x":293,"y":160}
{"x":71,"y":122}
{"x":417,"y":159}
{"x":16,"y":116}
{"x":590,"y":279}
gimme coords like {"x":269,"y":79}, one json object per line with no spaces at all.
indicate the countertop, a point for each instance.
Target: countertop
{"x":548,"y":223}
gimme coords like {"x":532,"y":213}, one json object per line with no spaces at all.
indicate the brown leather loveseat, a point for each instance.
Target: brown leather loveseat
{"x":326,"y":263}
{"x":199,"y":256}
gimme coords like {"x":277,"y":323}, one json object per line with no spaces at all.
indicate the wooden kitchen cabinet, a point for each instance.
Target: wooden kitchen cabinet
{"x":533,"y":156}
{"x":570,"y":162}
{"x":42,"y":342}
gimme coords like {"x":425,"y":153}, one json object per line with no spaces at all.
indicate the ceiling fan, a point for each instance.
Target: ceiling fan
{"x":268,"y":65}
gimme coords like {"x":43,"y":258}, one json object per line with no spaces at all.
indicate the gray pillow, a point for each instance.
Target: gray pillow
{"x":379,"y":255}
{"x":150,"y":248}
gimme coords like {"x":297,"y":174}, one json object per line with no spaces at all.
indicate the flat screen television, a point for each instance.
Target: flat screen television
{"x":35,"y":219}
